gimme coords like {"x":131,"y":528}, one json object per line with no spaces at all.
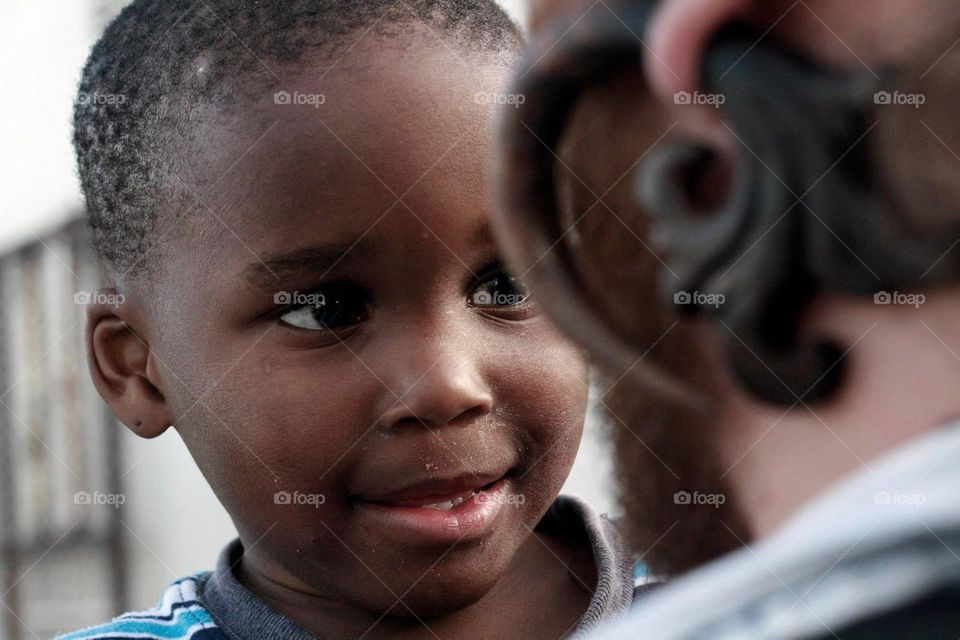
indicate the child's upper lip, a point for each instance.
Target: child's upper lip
{"x":431,"y":489}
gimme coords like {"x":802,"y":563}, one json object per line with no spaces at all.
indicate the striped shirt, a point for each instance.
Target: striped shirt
{"x":178,"y":616}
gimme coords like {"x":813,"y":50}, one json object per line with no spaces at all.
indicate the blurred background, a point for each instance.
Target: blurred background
{"x":89,"y":521}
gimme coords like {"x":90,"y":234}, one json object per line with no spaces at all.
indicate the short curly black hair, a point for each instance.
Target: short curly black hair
{"x":141,"y":94}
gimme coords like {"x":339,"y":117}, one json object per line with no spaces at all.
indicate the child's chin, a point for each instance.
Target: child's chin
{"x":442,"y":598}
{"x":440,"y":591}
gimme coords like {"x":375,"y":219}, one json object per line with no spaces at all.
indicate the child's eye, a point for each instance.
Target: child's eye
{"x":327,"y":309}
{"x":499,"y":290}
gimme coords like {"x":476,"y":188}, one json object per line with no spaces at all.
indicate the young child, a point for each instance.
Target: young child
{"x":289,"y":196}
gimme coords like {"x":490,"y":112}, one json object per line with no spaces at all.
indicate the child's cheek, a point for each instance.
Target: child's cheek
{"x":283,"y":424}
{"x":545,"y":391}
{"x":548,"y":370}
{"x":308,"y":417}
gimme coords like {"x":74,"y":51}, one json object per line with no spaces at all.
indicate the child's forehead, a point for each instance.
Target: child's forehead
{"x":348,"y":177}
{"x":376,"y":90}
{"x":348,"y":161}
{"x":382,"y":150}
{"x":326,"y":133}
{"x":410,"y":58}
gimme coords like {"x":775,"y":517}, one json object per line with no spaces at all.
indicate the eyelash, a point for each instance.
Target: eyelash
{"x":322,"y":300}
{"x":514,"y":305}
{"x":511,"y":302}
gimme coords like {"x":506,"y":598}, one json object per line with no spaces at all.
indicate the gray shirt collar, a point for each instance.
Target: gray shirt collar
{"x":242,"y":615}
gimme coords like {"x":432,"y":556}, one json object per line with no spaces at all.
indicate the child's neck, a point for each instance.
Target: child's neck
{"x":543,"y":594}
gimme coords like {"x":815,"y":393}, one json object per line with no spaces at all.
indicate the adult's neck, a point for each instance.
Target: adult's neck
{"x":902,"y":377}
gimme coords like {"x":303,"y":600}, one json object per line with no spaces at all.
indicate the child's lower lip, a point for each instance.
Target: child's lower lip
{"x":470,"y":520}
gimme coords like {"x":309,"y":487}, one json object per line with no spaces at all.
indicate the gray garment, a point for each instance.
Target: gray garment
{"x":873,"y":544}
{"x":241,"y":615}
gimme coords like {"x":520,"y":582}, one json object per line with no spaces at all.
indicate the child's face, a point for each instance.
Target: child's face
{"x":414,"y":395}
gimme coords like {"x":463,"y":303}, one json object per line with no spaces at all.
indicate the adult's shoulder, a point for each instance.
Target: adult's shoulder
{"x":935,"y":616}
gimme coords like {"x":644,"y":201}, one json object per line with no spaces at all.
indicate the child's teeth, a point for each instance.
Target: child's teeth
{"x":449,"y":504}
{"x":440,"y":506}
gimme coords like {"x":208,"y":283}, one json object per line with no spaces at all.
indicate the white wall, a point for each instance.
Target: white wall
{"x":42,"y":45}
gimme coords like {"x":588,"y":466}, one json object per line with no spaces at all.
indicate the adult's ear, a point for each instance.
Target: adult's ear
{"x":122,"y":366}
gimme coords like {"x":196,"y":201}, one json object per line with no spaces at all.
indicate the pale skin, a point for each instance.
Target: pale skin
{"x":903,"y":362}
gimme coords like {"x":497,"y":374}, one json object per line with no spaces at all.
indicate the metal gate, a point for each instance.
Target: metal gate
{"x":61,"y":543}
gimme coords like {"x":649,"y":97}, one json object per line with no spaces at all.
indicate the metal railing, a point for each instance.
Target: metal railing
{"x":62,"y":559}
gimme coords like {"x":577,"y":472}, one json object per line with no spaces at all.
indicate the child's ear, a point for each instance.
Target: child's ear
{"x":123,"y":368}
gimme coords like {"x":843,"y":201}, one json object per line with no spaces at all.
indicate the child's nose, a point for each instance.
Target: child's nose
{"x":437,"y":394}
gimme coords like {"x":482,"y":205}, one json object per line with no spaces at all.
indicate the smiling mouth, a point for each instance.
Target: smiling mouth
{"x":438,"y":512}
{"x":437,"y":502}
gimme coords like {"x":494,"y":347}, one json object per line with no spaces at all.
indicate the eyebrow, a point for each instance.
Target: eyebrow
{"x":322,"y":258}
{"x":315,"y":259}
{"x":484,"y":234}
